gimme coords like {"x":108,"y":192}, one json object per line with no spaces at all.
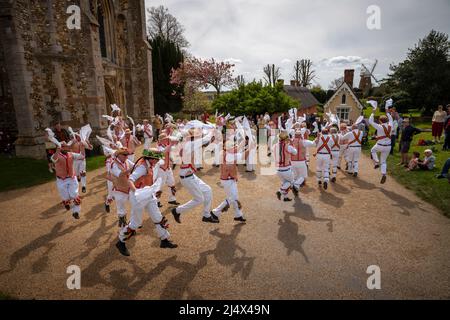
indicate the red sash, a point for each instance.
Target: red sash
{"x":387,"y":132}
{"x":357,"y":139}
{"x":324,"y":145}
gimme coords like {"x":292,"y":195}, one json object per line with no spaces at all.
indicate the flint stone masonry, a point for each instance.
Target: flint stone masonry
{"x":51,"y":73}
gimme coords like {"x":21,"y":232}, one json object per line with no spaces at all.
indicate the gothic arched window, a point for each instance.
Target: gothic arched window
{"x":344,"y":99}
{"x":106,"y":30}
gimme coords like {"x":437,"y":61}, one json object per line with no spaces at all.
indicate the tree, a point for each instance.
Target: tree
{"x":425,"y":74}
{"x":166,"y":55}
{"x":239,"y":81}
{"x":194,"y":101}
{"x":162,"y":24}
{"x":204,"y":73}
{"x":272,"y":74}
{"x":255,"y":98}
{"x":303,"y":72}
{"x":319,"y":94}
{"x":336,"y":83}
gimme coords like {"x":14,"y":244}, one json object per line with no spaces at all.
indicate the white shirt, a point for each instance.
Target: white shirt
{"x":116,"y":170}
{"x":350,"y":136}
{"x":380,"y":130}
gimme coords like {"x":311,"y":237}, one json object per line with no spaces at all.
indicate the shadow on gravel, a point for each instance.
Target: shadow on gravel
{"x":305,"y":212}
{"x":289,"y":235}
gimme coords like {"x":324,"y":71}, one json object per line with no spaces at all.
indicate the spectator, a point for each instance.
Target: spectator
{"x":447,"y":130}
{"x":407,"y":134}
{"x":157,"y":124}
{"x":444,"y":171}
{"x":427,"y":163}
{"x":394,"y":130}
{"x":414,"y":160}
{"x":438,"y":123}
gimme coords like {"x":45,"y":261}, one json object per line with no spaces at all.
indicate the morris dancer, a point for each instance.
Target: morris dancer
{"x":283,"y":152}
{"x":142,"y":177}
{"x":299,"y":167}
{"x":200,"y":191}
{"x":306,"y":134}
{"x":109,"y":160}
{"x":165,"y":145}
{"x":120,"y":170}
{"x":343,"y":148}
{"x":228,"y":179}
{"x":79,"y":146}
{"x":323,"y":154}
{"x":148,"y":134}
{"x":383,"y":145}
{"x":335,"y":152}
{"x":66,"y":180}
{"x":130,"y":142}
{"x":354,"y":140}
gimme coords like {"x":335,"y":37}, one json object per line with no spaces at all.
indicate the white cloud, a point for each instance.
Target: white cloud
{"x":286,"y":60}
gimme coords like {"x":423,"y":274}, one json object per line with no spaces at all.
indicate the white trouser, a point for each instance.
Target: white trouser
{"x":131,"y":157}
{"x":353,"y":154}
{"x":68,"y":190}
{"x":168,"y":179}
{"x":147,"y":143}
{"x":307,"y":156}
{"x":109,"y":196}
{"x":251,"y":161}
{"x":200,"y":192}
{"x":323,"y":167}
{"x":136,"y":217}
{"x":217,"y":154}
{"x":343,"y":153}
{"x":231,"y":190}
{"x":300,"y":171}
{"x":334,"y":162}
{"x":384,"y":153}
{"x":287,"y":180}
{"x":121,"y":201}
{"x":80,"y":170}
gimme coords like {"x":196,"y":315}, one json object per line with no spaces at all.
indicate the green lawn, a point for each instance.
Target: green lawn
{"x":24,"y":172}
{"x":423,"y":183}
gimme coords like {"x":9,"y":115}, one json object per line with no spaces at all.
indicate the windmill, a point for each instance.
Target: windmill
{"x":365,"y":83}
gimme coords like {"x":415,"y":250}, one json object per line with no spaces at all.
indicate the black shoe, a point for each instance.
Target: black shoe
{"x":210,"y":219}
{"x":167,"y":244}
{"x":346,"y":166}
{"x":350,"y":172}
{"x":383,"y":179}
{"x":278,"y":195}
{"x":303,"y":184}
{"x":269,"y":154}
{"x":339,"y":168}
{"x":287,"y":199}
{"x":376,"y":166}
{"x":355,"y":174}
{"x":320,"y":183}
{"x":214,"y":216}
{"x":333,"y":179}
{"x":216,"y":165}
{"x":67,"y":207}
{"x":122,"y":222}
{"x":175,"y":203}
{"x":83,"y":189}
{"x":122,"y":248}
{"x":240,"y":219}
{"x":107,"y":208}
{"x":76,"y":215}
{"x":140,"y":227}
{"x":176,"y":215}
{"x":325,"y":185}
{"x":295,"y":191}
{"x":159,"y":205}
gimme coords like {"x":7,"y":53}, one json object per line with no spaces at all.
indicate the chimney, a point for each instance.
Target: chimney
{"x":295,"y":83}
{"x":348,"y":77}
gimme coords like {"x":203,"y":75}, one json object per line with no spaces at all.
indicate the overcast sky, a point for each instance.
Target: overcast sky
{"x":333,"y":34}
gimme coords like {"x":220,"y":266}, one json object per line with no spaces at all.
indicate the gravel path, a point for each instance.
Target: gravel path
{"x":318,"y":246}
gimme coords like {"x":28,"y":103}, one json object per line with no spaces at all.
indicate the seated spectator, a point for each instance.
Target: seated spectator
{"x":414,"y":160}
{"x":426,"y":164}
{"x":444,"y":171}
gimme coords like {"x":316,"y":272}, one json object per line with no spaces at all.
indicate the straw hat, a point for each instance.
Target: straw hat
{"x":121,"y":151}
{"x":283,"y":135}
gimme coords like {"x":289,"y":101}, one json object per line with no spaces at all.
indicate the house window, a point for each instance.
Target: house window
{"x":343,"y":113}
{"x":344,"y":99}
